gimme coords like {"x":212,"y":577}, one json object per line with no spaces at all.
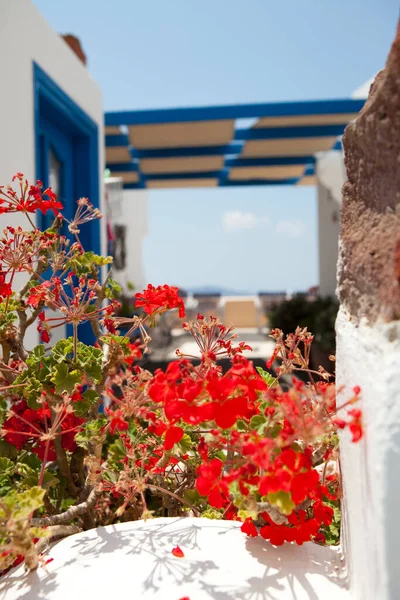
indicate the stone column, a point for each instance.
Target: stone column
{"x":368,"y":336}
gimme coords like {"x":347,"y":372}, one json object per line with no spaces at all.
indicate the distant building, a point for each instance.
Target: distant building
{"x":126,"y":214}
{"x":208,"y":303}
{"x":331,"y":175}
{"x":271,"y":299}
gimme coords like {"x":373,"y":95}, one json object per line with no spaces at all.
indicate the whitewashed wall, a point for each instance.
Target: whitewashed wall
{"x":129,"y":210}
{"x":331,"y":177}
{"x":25,"y":37}
{"x":369,"y":356}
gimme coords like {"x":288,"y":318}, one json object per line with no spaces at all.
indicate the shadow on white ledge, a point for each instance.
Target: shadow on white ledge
{"x":134,"y":560}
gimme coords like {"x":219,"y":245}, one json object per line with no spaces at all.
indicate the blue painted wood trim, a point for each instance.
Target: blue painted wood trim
{"x":182,"y":176}
{"x":278,"y":133}
{"x":50,"y":99}
{"x":233,"y":148}
{"x":86,"y":139}
{"x":227,"y":183}
{"x":239,"y":111}
{"x":45,"y":86}
{"x":126,"y":167}
{"x":251,"y":182}
{"x":113,"y":141}
{"x":141,"y":185}
{"x":271,"y":161}
{"x":222,"y":181}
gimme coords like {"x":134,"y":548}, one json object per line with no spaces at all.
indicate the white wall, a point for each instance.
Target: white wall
{"x":328,"y":237}
{"x":131,"y":212}
{"x":26,"y":37}
{"x":370,"y":357}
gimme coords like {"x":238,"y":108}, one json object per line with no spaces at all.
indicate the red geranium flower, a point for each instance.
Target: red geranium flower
{"x":156,"y":299}
{"x":249,"y":528}
{"x":208,"y":483}
{"x":173,"y":436}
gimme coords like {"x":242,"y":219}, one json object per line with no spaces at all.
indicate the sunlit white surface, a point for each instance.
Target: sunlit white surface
{"x":134,"y":560}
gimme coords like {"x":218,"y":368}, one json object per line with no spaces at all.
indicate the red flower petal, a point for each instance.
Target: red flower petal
{"x":173,"y":436}
{"x":177,"y":552}
{"x":249,"y":528}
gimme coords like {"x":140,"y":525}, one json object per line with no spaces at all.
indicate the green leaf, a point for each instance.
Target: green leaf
{"x":241,"y":425}
{"x":117,"y":340}
{"x":63,"y":350}
{"x":31,"y":460}
{"x":91,"y":396}
{"x":212,"y":513}
{"x":282,"y":501}
{"x":6,"y":485}
{"x":87,"y":263}
{"x":36,"y":355}
{"x":113,"y":289}
{"x":192,"y":496}
{"x":116,"y":452}
{"x":65,"y":380}
{"x":22,"y":504}
{"x":49,"y":480}
{"x":91,"y":431}
{"x":94,"y":371}
{"x":32,"y":391}
{"x":37,"y":532}
{"x":81,"y":407}
{"x":7,"y":467}
{"x":9,"y":315}
{"x":257,"y":421}
{"x":244,"y":514}
{"x":269,"y":379}
{"x":7,"y":450}
{"x":273,"y":432}
{"x":332,"y":532}
{"x":110,"y":476}
{"x":88,"y":358}
{"x":185,"y":444}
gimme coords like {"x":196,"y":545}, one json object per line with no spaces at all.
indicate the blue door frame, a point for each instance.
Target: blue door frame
{"x":62,"y":126}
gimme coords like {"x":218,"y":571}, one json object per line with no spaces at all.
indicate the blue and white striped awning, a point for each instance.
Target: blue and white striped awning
{"x":253,"y":144}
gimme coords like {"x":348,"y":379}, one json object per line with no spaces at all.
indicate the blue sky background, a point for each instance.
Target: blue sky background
{"x":160,"y":53}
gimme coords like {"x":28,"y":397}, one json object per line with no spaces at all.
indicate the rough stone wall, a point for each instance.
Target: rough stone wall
{"x":369,"y":275}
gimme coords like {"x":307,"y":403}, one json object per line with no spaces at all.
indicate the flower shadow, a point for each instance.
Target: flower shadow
{"x":267,"y":573}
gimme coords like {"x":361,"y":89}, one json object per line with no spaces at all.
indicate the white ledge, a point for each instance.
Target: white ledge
{"x":134,"y":560}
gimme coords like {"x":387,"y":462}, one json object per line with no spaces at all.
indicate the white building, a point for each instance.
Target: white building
{"x":126,"y":215}
{"x":51,"y":117}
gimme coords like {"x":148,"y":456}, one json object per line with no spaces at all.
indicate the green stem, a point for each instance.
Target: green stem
{"x":44,"y":463}
{"x":75,"y":326}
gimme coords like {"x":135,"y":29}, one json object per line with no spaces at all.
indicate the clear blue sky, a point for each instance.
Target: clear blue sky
{"x":164,"y":53}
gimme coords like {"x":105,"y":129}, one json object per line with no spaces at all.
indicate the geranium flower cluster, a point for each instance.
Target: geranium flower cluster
{"x":26,"y":427}
{"x":90,"y":438}
{"x":158,"y":299}
{"x":29,"y":198}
